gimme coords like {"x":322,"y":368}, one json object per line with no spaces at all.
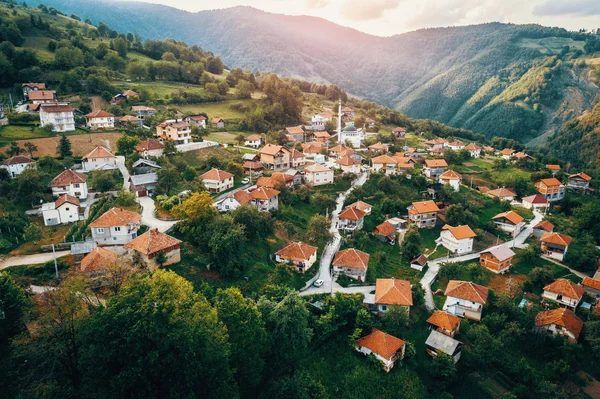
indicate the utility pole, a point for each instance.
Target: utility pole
{"x":55,"y":264}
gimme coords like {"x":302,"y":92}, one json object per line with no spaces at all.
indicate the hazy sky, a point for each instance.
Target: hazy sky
{"x":388,"y":17}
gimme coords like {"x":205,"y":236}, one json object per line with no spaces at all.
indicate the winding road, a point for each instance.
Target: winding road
{"x":150,"y":219}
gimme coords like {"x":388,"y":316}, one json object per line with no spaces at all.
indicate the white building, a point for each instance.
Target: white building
{"x":509,"y":222}
{"x":319,"y":121}
{"x":150,"y":148}
{"x":60,"y":115}
{"x":318,"y":175}
{"x":474,"y":150}
{"x":254,"y":141}
{"x":386,"y":348}
{"x":536,"y":202}
{"x":100,"y":120}
{"x":69,"y":182}
{"x":116,"y":227}
{"x":17,"y":164}
{"x":564,"y":292}
{"x":458,"y":240}
{"x":217,"y":180}
{"x":265,"y":199}
{"x":62,"y":211}
{"x":297,"y":254}
{"x":384,"y":164}
{"x":234,"y":201}
{"x":560,"y":321}
{"x":351,"y":262}
{"x":349,"y":134}
{"x":465,"y":299}
{"x":434,"y":168}
{"x":348,"y":165}
{"x":99,"y":159}
{"x":452,"y":179}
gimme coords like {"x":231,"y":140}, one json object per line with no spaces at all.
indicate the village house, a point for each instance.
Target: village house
{"x":143,"y":166}
{"x":150,"y":148}
{"x":265,"y":199}
{"x":196,"y":120}
{"x":399,"y":132}
{"x":275,"y":157}
{"x":419,"y":262}
{"x":318,"y":175}
{"x":311,"y":149}
{"x":507,"y":153}
{"x":350,"y":134}
{"x":59,"y":115}
{"x":217,"y":123}
{"x":457,"y":240}
{"x":154,"y":245}
{"x":552,"y":189}
{"x":370,"y":123}
{"x":234,"y":201}
{"x":143,"y":185}
{"x":445,"y":323}
{"x":17,"y":164}
{"x":41,"y":97}
{"x":579,"y":181}
{"x":115,"y":227}
{"x":252,"y":168}
{"x":29,"y":87}
{"x":456,"y":145}
{"x":348,"y":165}
{"x":489,"y":150}
{"x":340,"y":150}
{"x":510,"y":222}
{"x":465,"y":299}
{"x":318,"y":121}
{"x":452,"y":179}
{"x":276,"y":180}
{"x":297,"y":254}
{"x":404,"y":160}
{"x":436,"y":144}
{"x":423,"y":214}
{"x":254,"y":141}
{"x":389,"y":292}
{"x":385,"y":347}
{"x":555,"y":245}
{"x":542,"y":228}
{"x":296,"y":176}
{"x":297,"y":159}
{"x":553,"y":168}
{"x":142,"y":112}
{"x":348,"y":113}
{"x":497,"y":259}
{"x":99,"y":158}
{"x":560,"y":321}
{"x":522,"y":155}
{"x":384,"y":164}
{"x":474,"y":150}
{"x":363,"y":206}
{"x":128,"y":120}
{"x":178,"y":131}
{"x":385,"y":232}
{"x":379,"y":148}
{"x":351,"y":262}
{"x":100,"y":120}
{"x":321,"y":137}
{"x":69,"y":182}
{"x":438,"y":343}
{"x":434,"y":167}
{"x":536,"y":202}
{"x":592,"y":287}
{"x":502,"y":193}
{"x":294,"y":133}
{"x":564,"y":292}
{"x":350,"y":220}
{"x":98,"y":262}
{"x":62,"y":211}
{"x":119,"y":98}
{"x":217,"y":181}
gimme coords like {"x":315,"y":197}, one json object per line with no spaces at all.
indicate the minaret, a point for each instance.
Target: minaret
{"x":339,"y":121}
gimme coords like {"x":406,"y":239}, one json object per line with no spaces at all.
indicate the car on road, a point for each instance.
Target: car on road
{"x":318,"y":283}
{"x":246,"y":181}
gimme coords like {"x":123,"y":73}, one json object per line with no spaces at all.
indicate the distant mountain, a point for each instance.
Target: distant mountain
{"x":497,"y":79}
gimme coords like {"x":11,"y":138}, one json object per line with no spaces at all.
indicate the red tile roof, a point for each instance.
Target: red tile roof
{"x":391,"y":291}
{"x":66,"y":198}
{"x":544,"y":225}
{"x":444,"y":320}
{"x":216,"y":174}
{"x":352,"y":258}
{"x":241,"y":196}
{"x":581,"y":175}
{"x":536,"y":199}
{"x":591,"y":283}
{"x":99,"y":114}
{"x":347,"y":161}
{"x":56,"y":108}
{"x":68,"y":177}
{"x":352,"y":214}
{"x":381,"y":343}
{"x":566,"y":288}
{"x":460,"y":232}
{"x":436,"y":163}
{"x":149,"y":145}
{"x":385,"y":229}
{"x":561,"y":317}
{"x":17,"y":160}
{"x":98,"y":259}
{"x":502,"y":192}
{"x":36,"y":95}
{"x":467,"y":290}
{"x":425,"y":207}
{"x":116,"y":217}
{"x":264,"y":193}
{"x":271,"y":149}
{"x":99,"y":152}
{"x":556,"y":238}
{"x":151,"y":242}
{"x":550,"y":182}
{"x":297,"y":251}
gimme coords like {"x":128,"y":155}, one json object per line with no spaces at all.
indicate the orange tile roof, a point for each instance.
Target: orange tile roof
{"x":271,"y":149}
{"x":550,"y":182}
{"x":425,"y":207}
{"x":444,"y":320}
{"x":339,"y":148}
{"x":68,"y":177}
{"x":384,"y":159}
{"x":403,"y":160}
{"x":450,"y":175}
{"x":521,"y":155}
{"x":553,"y":167}
{"x":488,"y":148}
{"x":511,"y":216}
{"x":467,"y":290}
{"x":381,"y":343}
{"x":566,"y":288}
{"x":151,"y":242}
{"x":556,"y":238}
{"x":347,"y":161}
{"x":130,"y":93}
{"x":36,"y":95}
{"x":98,"y":259}
{"x":315,"y":167}
{"x":460,"y":232}
{"x":297,"y":251}
{"x":282,"y":177}
{"x":322,"y":135}
{"x":216,"y":120}
{"x":264,"y":193}
{"x":352,"y":258}
{"x":116,"y":217}
{"x":295,"y":154}
{"x":507,"y":151}
{"x":591,"y":283}
{"x":352,"y":214}
{"x":398,"y":130}
{"x":582,"y":175}
{"x":56,"y":108}
{"x":436,"y":163}
{"x":385,"y":229}
{"x":502,"y":192}
{"x":148,"y":145}
{"x":99,"y":152}
{"x":473,"y":147}
{"x":241,"y":196}
{"x":17,"y":160}
{"x":562,"y":317}
{"x":99,"y":114}
{"x":544,"y":225}
{"x":379,"y":146}
{"x":216,"y":174}
{"x":363,"y":206}
{"x":311,"y":148}
{"x":254,"y":137}
{"x":66,"y":198}
{"x":391,"y":291}
{"x":265,"y":181}
{"x":295,"y":130}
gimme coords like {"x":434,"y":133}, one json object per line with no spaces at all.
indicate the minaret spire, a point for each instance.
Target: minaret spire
{"x":339,"y":121}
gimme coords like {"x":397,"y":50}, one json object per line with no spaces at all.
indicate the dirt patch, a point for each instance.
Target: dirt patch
{"x":506,"y":283}
{"x":98,"y":103}
{"x":80,"y":144}
{"x":593,"y":385}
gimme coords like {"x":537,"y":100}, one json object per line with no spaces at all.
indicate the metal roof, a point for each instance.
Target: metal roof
{"x":442,"y":342}
{"x":140,"y":180}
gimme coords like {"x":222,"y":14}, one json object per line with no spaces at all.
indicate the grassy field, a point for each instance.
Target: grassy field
{"x":51,"y":234}
{"x":225,"y":137}
{"x":550,"y":45}
{"x":393,"y":265}
{"x":220,"y":109}
{"x":81,"y":144}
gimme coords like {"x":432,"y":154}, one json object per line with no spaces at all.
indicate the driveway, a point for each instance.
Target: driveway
{"x":121,"y":164}
{"x":34,"y":259}
{"x":196,"y":146}
{"x":148,"y":217}
{"x":434,"y":266}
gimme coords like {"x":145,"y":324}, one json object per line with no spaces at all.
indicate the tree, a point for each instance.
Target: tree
{"x":442,"y":369}
{"x":457,"y":215}
{"x":317,"y":231}
{"x":247,"y":333}
{"x":214,"y":65}
{"x":395,"y":320}
{"x":102,"y":180}
{"x":300,"y":385}
{"x":126,"y":144}
{"x":226,"y":244}
{"x":244,"y":89}
{"x":539,"y":277}
{"x":121,"y":46}
{"x":323,"y":202}
{"x":168,"y":176}
{"x":64,"y":147}
{"x":13,"y":304}
{"x":115,"y":62}
{"x":175,"y":344}
{"x":31,"y":148}
{"x":14,"y":149}
{"x":30,"y":186}
{"x":256,"y":224}
{"x":411,"y":246}
{"x":170,"y":149}
{"x":137,"y":71}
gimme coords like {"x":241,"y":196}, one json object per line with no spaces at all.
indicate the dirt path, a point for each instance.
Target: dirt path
{"x":31,"y":259}
{"x":98,"y":103}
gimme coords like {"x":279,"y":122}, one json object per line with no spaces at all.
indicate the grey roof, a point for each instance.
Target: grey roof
{"x":140,"y":180}
{"x":146,"y":162}
{"x":291,"y":172}
{"x":501,"y":252}
{"x":80,"y":248}
{"x":249,"y":156}
{"x":442,"y":342}
{"x":350,"y":128}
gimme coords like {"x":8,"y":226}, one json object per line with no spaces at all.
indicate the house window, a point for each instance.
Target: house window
{"x":118,"y":228}
{"x":77,"y":185}
{"x":100,"y":230}
{"x":67,"y":209}
{"x":114,"y":238}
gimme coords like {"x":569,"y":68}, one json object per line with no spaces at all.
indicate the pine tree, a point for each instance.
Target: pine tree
{"x":64,"y":147}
